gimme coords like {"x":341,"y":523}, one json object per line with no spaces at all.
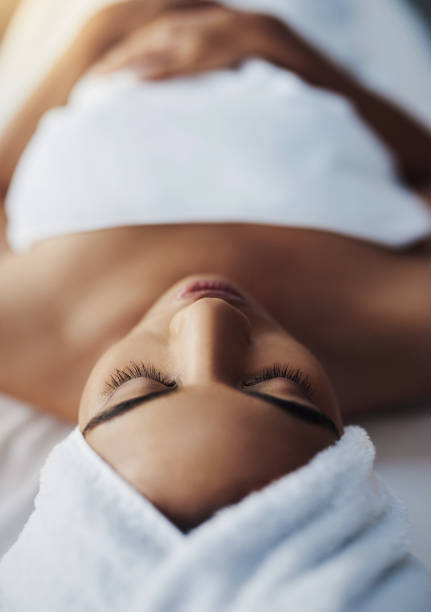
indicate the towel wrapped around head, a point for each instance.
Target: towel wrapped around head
{"x":328,"y":537}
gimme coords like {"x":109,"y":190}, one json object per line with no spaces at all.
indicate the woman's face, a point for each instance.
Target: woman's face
{"x":207,"y":399}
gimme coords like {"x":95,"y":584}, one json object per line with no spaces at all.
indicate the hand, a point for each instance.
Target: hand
{"x":190,"y":39}
{"x":111,"y":23}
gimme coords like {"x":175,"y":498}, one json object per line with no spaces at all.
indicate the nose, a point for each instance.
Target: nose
{"x":209,"y":339}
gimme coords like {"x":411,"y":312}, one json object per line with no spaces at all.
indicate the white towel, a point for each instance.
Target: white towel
{"x":257,"y":145}
{"x":328,"y":537}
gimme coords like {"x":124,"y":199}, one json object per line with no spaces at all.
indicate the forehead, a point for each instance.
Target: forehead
{"x":195,"y":452}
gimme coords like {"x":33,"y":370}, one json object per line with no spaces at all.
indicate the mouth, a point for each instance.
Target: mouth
{"x":210,"y":288}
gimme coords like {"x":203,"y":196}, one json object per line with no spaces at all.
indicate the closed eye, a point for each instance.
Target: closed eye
{"x":136,"y":370}
{"x":140,"y":370}
{"x":277,"y":370}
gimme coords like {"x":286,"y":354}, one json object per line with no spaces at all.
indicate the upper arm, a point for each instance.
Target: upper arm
{"x":7,"y":8}
{"x":4,"y":248}
{"x":53,"y":90}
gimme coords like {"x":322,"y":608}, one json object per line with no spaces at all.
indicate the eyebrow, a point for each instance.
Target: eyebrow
{"x":302,"y":411}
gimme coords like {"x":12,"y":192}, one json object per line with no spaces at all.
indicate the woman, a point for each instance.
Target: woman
{"x":206,"y":342}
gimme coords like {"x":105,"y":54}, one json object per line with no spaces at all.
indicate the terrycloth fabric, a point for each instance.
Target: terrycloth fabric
{"x":256,"y":145}
{"x":326,"y":538}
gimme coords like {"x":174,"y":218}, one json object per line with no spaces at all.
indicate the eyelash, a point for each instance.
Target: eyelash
{"x":136,"y":370}
{"x":140,"y":370}
{"x":280,"y":371}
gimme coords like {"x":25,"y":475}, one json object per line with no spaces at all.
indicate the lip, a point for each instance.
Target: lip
{"x":210,"y":288}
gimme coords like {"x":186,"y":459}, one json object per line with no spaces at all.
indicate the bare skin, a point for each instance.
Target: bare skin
{"x":193,"y":407}
{"x":95,"y":287}
{"x":6,"y":11}
{"x":362,"y":310}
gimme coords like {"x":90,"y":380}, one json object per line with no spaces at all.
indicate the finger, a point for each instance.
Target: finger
{"x":158,"y":73}
{"x":166,"y":72}
{"x":163,"y":64}
{"x":152,"y":65}
{"x":135,"y":60}
{"x":113,"y":60}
